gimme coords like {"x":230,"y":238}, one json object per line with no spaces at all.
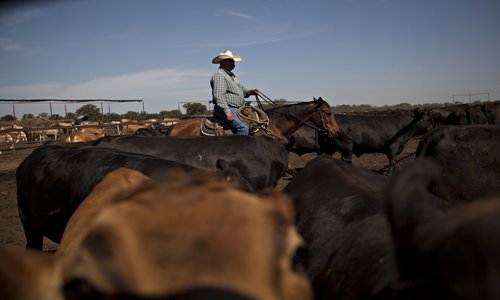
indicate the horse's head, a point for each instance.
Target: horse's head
{"x":323,"y":117}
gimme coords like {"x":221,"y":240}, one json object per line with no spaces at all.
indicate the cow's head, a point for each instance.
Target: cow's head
{"x":134,"y":236}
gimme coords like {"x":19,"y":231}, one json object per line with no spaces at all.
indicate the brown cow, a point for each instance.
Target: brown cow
{"x":132,"y":128}
{"x":78,"y":136}
{"x":134,"y":237}
{"x":28,"y":275}
{"x":99,"y":132}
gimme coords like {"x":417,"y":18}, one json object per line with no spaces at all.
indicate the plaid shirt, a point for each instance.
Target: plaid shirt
{"x":227,"y":90}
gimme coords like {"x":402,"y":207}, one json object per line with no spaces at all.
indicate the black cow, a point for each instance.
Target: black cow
{"x":442,"y":255}
{"x":467,"y":114}
{"x":155,"y":130}
{"x":149,"y":132}
{"x":259,"y":159}
{"x":53,"y":180}
{"x":379,"y":133}
{"x":385,"y":133}
{"x":306,"y":139}
{"x":469,"y":160}
{"x":340,"y":213}
{"x":490,"y":111}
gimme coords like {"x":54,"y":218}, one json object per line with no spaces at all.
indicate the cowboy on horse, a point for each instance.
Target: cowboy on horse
{"x":228,"y":94}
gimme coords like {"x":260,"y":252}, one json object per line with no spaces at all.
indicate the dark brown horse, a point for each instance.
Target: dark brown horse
{"x":283,"y":120}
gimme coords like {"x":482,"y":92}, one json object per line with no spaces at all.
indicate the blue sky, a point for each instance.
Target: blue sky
{"x":373,"y":52}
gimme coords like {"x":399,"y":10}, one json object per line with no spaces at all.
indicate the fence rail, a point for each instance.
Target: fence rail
{"x":13,"y":102}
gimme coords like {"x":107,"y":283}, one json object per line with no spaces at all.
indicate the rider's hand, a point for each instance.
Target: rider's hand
{"x":229,"y":116}
{"x":254,"y":92}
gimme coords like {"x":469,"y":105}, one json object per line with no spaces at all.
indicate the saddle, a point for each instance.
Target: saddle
{"x":255,"y":118}
{"x":211,"y":127}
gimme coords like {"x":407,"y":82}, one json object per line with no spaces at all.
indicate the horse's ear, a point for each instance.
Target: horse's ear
{"x":320,"y":99}
{"x":314,"y":99}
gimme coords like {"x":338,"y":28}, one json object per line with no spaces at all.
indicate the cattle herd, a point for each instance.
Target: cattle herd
{"x":139,"y":214}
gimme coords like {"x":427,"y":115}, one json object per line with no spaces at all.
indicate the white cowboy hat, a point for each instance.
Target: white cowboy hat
{"x":225,"y":55}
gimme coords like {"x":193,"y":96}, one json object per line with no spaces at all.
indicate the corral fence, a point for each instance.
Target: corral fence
{"x":471,"y":97}
{"x":50,"y":102}
{"x":110,"y":129}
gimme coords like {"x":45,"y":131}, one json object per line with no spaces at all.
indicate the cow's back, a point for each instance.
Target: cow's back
{"x":340,"y":212}
{"x":259,"y":159}
{"x":469,"y":160}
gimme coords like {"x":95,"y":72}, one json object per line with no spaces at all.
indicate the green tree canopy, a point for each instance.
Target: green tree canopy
{"x":28,"y":116}
{"x":170,"y":113}
{"x":71,"y":115}
{"x":193,"y":109}
{"x":113,"y":117}
{"x":89,"y":110}
{"x":8,"y":118}
{"x":55,"y":117}
{"x":132,"y":115}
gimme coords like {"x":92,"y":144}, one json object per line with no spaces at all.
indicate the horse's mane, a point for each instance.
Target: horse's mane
{"x":283,"y":112}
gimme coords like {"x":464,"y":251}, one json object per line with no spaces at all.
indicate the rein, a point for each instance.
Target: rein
{"x":303,"y":123}
{"x":260,"y":121}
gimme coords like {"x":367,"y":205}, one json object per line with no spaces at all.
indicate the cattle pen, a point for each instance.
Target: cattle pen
{"x":50,"y":102}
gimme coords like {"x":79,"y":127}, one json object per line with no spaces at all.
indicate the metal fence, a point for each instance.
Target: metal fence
{"x":15,"y":102}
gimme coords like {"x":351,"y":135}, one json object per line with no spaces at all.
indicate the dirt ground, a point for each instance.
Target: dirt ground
{"x":11,"y":231}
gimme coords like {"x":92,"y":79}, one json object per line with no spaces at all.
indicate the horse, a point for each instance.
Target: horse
{"x":283,"y":121}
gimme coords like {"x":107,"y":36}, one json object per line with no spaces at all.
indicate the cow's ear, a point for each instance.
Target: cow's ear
{"x":28,"y":274}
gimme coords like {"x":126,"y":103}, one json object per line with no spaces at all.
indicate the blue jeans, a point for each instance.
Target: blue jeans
{"x":237,"y":124}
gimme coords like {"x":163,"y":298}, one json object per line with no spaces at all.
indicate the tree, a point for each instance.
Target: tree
{"x":404,"y":105}
{"x":343,"y":108}
{"x":8,"y":118}
{"x":28,"y":116}
{"x":170,"y":113}
{"x":89,"y":110}
{"x":55,"y":117}
{"x":193,"y":109}
{"x":43,"y":115}
{"x":142,"y":116}
{"x":113,"y":117}
{"x":132,"y":115}
{"x":71,"y":115}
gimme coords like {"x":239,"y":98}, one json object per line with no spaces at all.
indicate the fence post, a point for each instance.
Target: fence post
{"x":102,"y":113}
